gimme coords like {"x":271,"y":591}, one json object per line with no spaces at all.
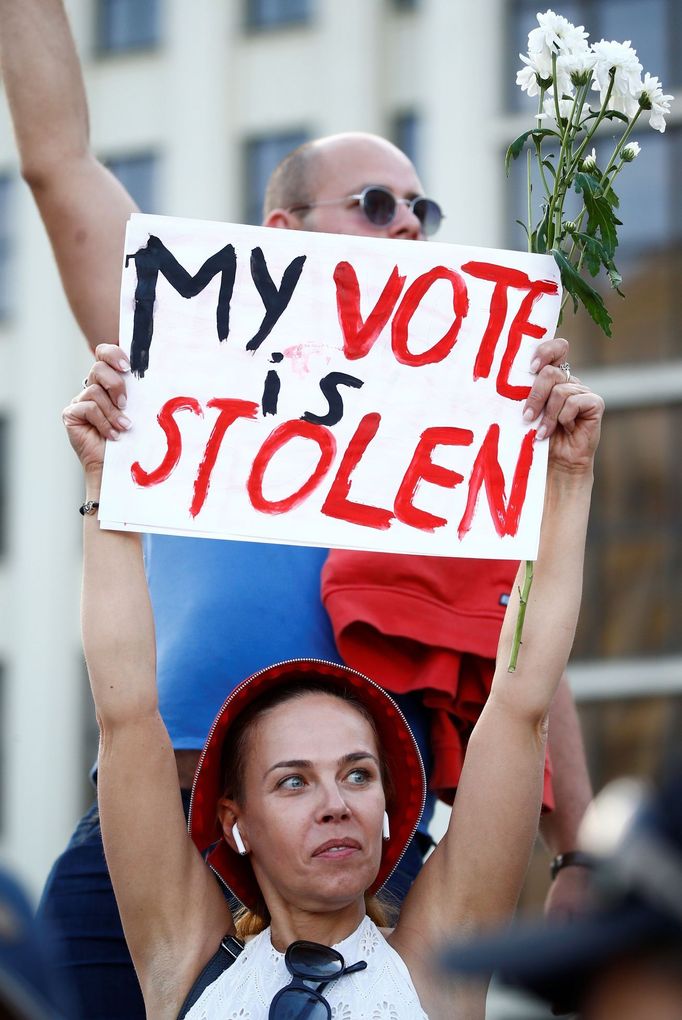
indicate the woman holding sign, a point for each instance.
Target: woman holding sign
{"x":310,"y":786}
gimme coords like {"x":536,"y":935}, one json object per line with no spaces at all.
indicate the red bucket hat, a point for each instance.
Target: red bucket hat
{"x":397,"y":744}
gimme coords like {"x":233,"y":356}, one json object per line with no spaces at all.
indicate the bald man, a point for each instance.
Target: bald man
{"x":214,"y":625}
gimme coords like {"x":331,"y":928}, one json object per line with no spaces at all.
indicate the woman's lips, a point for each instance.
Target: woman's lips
{"x":336,"y":849}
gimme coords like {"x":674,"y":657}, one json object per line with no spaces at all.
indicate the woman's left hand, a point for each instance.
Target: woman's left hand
{"x":577,"y":413}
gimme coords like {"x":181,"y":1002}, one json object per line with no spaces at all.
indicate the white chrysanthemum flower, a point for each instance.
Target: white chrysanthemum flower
{"x":565,"y":106}
{"x":619,"y":59}
{"x":630,"y":151}
{"x":575,"y":68}
{"x":590,"y":162}
{"x":652,"y":98}
{"x":527,"y":77}
{"x":556,"y":35}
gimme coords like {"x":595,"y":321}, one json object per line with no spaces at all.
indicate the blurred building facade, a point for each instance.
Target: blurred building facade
{"x":191,"y":105}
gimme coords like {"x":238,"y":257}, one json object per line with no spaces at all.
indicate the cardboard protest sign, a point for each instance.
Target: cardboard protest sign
{"x":329,"y":390}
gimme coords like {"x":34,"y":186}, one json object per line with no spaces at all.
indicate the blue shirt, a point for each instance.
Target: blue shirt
{"x":224,"y":610}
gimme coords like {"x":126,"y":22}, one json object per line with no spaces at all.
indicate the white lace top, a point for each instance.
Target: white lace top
{"x":384,"y":991}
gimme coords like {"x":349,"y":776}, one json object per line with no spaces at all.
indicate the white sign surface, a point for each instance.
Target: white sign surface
{"x":329,"y":390}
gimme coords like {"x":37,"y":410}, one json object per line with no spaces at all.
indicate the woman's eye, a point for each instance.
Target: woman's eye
{"x":291,"y":783}
{"x":358,"y":776}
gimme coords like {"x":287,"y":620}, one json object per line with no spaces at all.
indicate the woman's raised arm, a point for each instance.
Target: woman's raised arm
{"x":155,"y":869}
{"x":474,"y":877}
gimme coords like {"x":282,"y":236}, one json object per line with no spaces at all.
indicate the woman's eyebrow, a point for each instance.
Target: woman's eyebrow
{"x":304,"y":763}
{"x":292,"y":763}
{"x":358,"y":756}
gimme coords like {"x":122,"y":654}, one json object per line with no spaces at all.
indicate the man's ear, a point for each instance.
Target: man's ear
{"x":228,"y":815}
{"x":283,"y":220}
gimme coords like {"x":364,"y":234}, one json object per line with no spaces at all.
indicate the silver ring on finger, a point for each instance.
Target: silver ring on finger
{"x":86,"y":382}
{"x":565,"y":367}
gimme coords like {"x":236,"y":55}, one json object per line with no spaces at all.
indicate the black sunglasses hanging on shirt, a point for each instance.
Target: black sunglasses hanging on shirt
{"x":309,"y":962}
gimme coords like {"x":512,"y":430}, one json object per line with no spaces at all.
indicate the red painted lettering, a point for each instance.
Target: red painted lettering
{"x":337,"y":503}
{"x":521,"y":327}
{"x":230,"y":411}
{"x":276,"y":440}
{"x":422,"y":468}
{"x":409,"y":305}
{"x":487,"y":471}
{"x":173,"y":442}
{"x":358,"y":336}
{"x":503,"y":277}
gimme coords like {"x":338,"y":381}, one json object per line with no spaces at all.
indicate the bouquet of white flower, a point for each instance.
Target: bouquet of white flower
{"x":562,"y":69}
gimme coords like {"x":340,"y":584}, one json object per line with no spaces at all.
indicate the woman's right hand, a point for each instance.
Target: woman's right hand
{"x":96,"y":414}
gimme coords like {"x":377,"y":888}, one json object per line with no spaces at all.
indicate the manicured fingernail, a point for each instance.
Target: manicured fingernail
{"x":535,"y":365}
{"x":123,"y":365}
{"x":528,"y":414}
{"x":124,"y":422}
{"x":542,"y":432}
{"x":114,"y":434}
{"x":121,"y":402}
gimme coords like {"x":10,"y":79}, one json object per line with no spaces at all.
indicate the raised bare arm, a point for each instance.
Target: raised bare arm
{"x":173,"y":912}
{"x":83,"y":206}
{"x":474,"y":877}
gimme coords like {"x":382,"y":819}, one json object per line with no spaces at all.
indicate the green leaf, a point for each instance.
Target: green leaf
{"x":580,"y":290}
{"x":601,"y":219}
{"x":549,"y":166}
{"x":539,"y":236}
{"x":516,"y":147}
{"x":594,"y":253}
{"x":614,"y":276}
{"x":609,"y":115}
{"x":525,"y":228}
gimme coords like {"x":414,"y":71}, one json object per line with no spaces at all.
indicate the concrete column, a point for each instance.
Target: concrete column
{"x":462,"y":58}
{"x":200,"y":158}
{"x":350,"y":68}
{"x":44,"y":770}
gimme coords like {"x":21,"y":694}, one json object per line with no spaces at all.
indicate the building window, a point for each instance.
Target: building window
{"x":5,"y":245}
{"x":138,"y":175}
{"x":262,"y":155}
{"x":275,"y":13}
{"x":127,"y":25}
{"x":406,"y":134}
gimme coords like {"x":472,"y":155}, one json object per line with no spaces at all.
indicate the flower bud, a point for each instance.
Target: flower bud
{"x":590,"y":161}
{"x":629,"y":151}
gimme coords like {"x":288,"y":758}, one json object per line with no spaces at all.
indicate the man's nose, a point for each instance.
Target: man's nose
{"x":406,"y":225}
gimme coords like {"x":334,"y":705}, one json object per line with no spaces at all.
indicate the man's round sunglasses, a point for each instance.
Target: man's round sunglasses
{"x":309,"y":961}
{"x":380,"y":207}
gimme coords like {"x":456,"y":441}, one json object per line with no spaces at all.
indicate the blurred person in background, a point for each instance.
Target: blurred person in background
{"x":31,"y":984}
{"x":193,"y":581}
{"x":622,"y":959}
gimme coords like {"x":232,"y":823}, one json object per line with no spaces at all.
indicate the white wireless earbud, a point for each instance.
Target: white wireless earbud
{"x":385,"y":827}
{"x":237,"y":837}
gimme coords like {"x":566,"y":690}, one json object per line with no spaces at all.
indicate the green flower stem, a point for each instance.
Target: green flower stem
{"x":521,"y":615}
{"x":590,"y":134}
{"x":530,"y":203}
{"x":549,"y":192}
{"x":571,"y":132}
{"x":618,"y":149}
{"x":538,"y":152}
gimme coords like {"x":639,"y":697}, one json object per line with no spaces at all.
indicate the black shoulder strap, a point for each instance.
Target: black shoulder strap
{"x":228,"y":951}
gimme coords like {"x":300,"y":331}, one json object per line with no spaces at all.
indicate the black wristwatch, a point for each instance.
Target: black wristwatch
{"x":572,"y":858}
